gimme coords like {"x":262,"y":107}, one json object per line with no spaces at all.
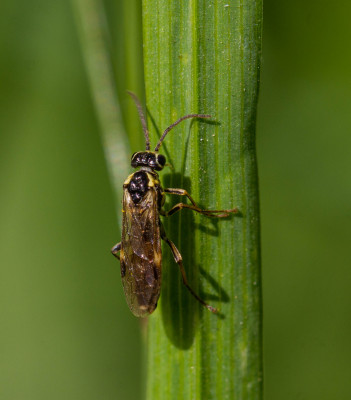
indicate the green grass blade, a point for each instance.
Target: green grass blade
{"x":204,"y":57}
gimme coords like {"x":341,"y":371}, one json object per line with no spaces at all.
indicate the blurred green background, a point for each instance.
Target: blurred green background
{"x":65,"y":330}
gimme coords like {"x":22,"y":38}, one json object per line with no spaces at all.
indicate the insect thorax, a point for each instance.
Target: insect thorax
{"x":139,"y":183}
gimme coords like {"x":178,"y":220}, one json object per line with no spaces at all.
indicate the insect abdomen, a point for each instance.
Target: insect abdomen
{"x":141,"y":286}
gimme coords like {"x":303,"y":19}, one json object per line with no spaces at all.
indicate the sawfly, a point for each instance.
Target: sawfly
{"x":139,"y":251}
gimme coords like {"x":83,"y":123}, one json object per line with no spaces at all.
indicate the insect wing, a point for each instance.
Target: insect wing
{"x":141,"y":253}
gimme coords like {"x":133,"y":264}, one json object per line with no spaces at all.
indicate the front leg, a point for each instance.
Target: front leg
{"x":116,"y":249}
{"x":195,"y":207}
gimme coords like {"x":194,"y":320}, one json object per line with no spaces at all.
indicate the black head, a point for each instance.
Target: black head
{"x":149,"y":159}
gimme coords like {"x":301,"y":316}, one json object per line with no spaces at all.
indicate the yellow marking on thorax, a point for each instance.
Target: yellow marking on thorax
{"x":152,"y":180}
{"x":126,"y":182}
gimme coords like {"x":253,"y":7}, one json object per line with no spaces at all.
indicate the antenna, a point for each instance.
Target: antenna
{"x":176,"y":123}
{"x":142,"y":119}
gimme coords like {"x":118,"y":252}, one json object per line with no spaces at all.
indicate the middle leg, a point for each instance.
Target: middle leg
{"x":195,"y":207}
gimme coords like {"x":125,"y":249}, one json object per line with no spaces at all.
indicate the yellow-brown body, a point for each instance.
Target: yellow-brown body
{"x":140,"y":256}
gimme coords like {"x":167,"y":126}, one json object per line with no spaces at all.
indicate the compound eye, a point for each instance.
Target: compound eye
{"x":161,"y":160}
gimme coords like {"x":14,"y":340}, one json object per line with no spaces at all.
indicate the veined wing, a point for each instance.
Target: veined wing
{"x":141,"y":253}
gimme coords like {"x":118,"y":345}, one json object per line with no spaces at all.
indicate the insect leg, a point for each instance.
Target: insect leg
{"x":179,"y":260}
{"x":115,"y":249}
{"x":195,"y":207}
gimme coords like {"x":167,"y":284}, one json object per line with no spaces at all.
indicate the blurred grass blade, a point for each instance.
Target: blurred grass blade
{"x":129,"y":65}
{"x":92,"y":26}
{"x":204,"y":57}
